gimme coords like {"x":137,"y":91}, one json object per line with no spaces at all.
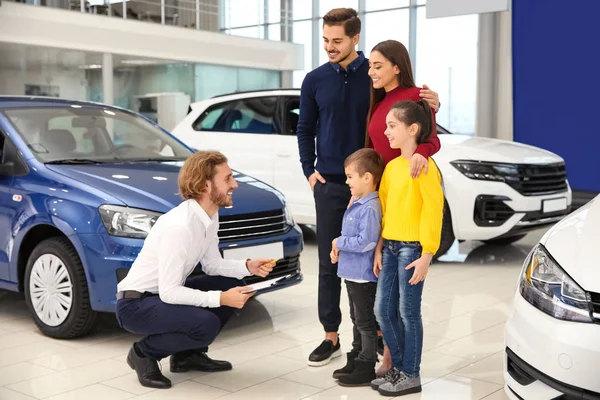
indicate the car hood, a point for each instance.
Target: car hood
{"x":153,"y":186}
{"x":457,"y":147}
{"x":573,"y":243}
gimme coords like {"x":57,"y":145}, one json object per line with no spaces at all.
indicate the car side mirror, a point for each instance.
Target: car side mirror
{"x":7,"y":168}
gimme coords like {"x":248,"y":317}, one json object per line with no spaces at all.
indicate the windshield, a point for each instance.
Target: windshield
{"x":93,"y":134}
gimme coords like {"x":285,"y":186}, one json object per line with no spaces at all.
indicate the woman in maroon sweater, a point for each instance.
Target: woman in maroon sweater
{"x":391,"y":72}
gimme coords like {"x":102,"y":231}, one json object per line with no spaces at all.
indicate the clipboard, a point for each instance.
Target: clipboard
{"x":267,"y":284}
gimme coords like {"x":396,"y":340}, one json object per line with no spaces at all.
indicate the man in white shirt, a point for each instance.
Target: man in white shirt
{"x":179,"y":316}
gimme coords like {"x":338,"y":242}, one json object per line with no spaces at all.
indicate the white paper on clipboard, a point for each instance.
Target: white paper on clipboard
{"x":265,"y":284}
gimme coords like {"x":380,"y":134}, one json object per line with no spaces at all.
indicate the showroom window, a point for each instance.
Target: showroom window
{"x":448,"y":65}
{"x":252,"y":115}
{"x":385,"y":25}
{"x":302,"y":34}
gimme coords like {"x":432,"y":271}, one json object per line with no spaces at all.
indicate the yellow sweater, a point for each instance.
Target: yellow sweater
{"x":412,"y":208}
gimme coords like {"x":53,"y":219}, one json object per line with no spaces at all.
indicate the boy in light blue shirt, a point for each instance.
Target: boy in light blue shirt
{"x":354,"y":252}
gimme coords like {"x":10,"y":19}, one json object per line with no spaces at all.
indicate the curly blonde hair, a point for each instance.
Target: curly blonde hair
{"x":198,"y":169}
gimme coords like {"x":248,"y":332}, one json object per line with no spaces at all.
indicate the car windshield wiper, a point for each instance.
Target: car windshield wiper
{"x":77,"y":161}
{"x":152,"y":159}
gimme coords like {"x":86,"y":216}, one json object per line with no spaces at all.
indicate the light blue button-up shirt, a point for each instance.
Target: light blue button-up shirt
{"x":361,"y":229}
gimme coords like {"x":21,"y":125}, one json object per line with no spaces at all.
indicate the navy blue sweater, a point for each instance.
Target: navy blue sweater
{"x":334,"y":104}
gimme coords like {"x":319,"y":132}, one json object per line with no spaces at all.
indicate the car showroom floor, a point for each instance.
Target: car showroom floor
{"x":466,"y":303}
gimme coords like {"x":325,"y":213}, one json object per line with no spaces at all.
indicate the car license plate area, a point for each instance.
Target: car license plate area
{"x":554,"y":205}
{"x":269,"y":250}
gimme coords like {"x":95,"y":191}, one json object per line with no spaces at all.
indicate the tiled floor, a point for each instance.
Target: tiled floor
{"x":466,"y":303}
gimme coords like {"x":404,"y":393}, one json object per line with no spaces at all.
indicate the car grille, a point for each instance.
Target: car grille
{"x":491,"y":211}
{"x":250,"y":226}
{"x":539,"y":179}
{"x":285,"y":266}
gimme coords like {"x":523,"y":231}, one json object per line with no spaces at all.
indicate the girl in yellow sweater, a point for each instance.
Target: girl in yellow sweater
{"x":412,"y":224}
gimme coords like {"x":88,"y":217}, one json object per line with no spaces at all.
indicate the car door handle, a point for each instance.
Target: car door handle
{"x":284,"y":154}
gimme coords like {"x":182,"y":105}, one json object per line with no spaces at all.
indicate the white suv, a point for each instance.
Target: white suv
{"x":553,"y":333}
{"x":495,"y":190}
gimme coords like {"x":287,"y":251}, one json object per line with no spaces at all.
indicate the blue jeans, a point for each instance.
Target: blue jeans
{"x":398,"y":306}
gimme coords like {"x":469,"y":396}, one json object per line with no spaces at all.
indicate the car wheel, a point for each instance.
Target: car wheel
{"x":506,"y":240}
{"x":56,"y":290}
{"x":448,"y":238}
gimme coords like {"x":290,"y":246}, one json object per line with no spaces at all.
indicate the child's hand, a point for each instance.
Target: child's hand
{"x":335,"y":256}
{"x":334,"y":244}
{"x":377,"y":264}
{"x":421,"y":267}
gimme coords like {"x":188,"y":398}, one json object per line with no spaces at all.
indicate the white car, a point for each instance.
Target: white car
{"x":495,"y":190}
{"x":553,"y":333}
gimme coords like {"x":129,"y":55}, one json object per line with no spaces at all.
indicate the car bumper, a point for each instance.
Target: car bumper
{"x":107,"y":259}
{"x":484,"y":210}
{"x":546,"y":358}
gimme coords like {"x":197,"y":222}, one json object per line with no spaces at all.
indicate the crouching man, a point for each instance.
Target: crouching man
{"x":181,"y":317}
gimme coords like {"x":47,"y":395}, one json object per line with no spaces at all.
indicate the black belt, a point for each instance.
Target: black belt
{"x":132,"y":294}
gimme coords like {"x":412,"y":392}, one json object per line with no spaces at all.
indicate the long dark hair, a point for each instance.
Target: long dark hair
{"x":419,"y":112}
{"x":396,"y":53}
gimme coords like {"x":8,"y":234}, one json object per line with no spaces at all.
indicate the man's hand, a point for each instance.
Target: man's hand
{"x":417,"y":164}
{"x":421,"y":267}
{"x":260,"y":266}
{"x":312,"y":180}
{"x":430,"y":97}
{"x":235,"y":298}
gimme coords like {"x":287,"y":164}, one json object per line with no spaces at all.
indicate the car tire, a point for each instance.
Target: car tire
{"x":505,"y":241}
{"x":447,"y":239}
{"x":56,"y":290}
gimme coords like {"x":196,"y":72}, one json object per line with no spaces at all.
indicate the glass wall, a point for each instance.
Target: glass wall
{"x":444,"y":50}
{"x":38,"y":71}
{"x":448,"y":63}
{"x":76,"y":75}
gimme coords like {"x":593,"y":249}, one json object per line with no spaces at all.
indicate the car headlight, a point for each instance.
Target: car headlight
{"x":487,"y":171}
{"x":289,"y":219}
{"x":127,"y":222}
{"x":546,"y":286}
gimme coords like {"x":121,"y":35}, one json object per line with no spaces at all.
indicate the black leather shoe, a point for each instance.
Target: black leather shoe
{"x":197,"y":361}
{"x":147,"y":371}
{"x":323,"y":354}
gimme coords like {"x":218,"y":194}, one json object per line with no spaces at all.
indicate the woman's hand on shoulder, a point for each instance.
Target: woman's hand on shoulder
{"x":430,"y":97}
{"x":417,"y":164}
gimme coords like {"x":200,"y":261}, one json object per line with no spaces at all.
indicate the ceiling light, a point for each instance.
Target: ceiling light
{"x":91,"y":66}
{"x":138,"y":62}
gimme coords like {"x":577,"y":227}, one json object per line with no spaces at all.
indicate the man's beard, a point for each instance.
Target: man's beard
{"x":341,"y":60}
{"x":220,"y":199}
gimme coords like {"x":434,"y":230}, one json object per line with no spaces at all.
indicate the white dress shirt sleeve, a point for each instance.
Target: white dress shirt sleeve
{"x":214,"y":264}
{"x":175,"y":248}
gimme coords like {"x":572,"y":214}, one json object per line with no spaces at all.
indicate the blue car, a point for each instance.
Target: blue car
{"x":81,"y":185}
